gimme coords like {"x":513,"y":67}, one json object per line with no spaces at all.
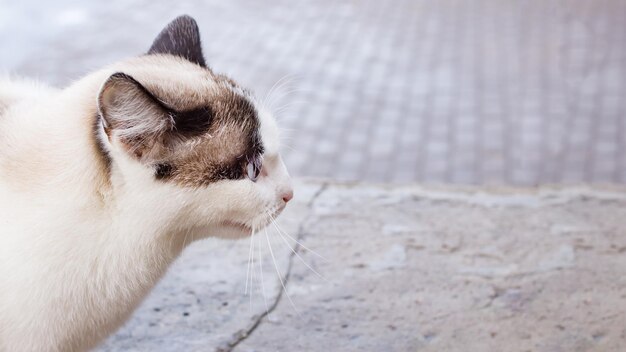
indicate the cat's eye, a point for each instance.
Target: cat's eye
{"x":253,"y":169}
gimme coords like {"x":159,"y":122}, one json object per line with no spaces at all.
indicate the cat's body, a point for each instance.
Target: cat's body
{"x":98,"y":197}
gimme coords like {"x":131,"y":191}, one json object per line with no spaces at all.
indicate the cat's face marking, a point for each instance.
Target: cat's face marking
{"x":196,"y":133}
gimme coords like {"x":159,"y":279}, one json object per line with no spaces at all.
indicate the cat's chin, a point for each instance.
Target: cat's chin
{"x":233,"y":230}
{"x":226,"y":230}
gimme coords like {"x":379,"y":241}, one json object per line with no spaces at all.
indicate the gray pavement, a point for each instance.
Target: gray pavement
{"x":414,"y":269}
{"x":451,"y":91}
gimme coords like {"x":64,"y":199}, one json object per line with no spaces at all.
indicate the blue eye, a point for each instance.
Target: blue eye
{"x":253,"y":169}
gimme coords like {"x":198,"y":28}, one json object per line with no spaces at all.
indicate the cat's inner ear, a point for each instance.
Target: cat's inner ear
{"x":181,"y":37}
{"x":132,"y":115}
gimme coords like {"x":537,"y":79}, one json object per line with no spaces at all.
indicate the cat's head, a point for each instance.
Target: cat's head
{"x":192,"y":139}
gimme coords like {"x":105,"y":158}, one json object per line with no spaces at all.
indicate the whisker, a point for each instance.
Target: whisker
{"x":287,"y":141}
{"x":268,"y":96}
{"x":252,"y":275}
{"x":249,"y":262}
{"x":278,"y":111}
{"x":277,"y":97}
{"x":279,"y":81}
{"x":280,"y":278}
{"x":267,"y":309}
{"x":278,"y":93}
{"x":285,"y":81}
{"x":298,"y":255}
{"x":287,"y":130}
{"x":269,"y":92}
{"x":303,"y":100}
{"x":295,"y":240}
{"x":287,"y":146}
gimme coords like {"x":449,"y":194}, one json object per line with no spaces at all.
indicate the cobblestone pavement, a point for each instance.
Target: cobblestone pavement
{"x":480,"y":92}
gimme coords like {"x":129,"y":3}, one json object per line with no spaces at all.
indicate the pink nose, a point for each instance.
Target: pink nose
{"x":288,"y":195}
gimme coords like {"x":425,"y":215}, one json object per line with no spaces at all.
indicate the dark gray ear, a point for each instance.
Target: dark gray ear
{"x":180,"y":37}
{"x":131,"y":114}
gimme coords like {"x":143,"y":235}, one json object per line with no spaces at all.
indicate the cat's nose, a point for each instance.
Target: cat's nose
{"x":287,"y":195}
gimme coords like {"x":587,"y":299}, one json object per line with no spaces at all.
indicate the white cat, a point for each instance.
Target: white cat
{"x":102,"y":182}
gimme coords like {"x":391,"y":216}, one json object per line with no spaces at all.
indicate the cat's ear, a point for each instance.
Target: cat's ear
{"x":132,"y":115}
{"x":180,"y":37}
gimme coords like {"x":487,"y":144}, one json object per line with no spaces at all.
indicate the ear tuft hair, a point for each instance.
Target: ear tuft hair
{"x":132,"y":114}
{"x":143,"y":123}
{"x":181,"y":37}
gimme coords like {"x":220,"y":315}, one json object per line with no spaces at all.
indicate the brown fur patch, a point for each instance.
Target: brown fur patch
{"x":223,"y":151}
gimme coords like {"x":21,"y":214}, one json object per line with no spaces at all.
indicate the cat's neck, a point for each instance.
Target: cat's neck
{"x":115,"y":271}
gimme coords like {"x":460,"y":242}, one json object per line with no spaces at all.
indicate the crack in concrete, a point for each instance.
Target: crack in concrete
{"x":242,"y":335}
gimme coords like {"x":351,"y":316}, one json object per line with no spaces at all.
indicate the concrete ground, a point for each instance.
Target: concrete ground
{"x":453,"y":91}
{"x":405,"y":268}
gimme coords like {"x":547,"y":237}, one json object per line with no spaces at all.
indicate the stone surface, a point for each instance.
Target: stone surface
{"x":407,"y":268}
{"x":473,"y":92}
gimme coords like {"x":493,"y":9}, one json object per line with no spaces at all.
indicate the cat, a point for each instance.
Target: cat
{"x":103,"y":183}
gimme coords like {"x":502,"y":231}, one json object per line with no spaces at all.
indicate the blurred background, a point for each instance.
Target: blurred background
{"x":469,"y":92}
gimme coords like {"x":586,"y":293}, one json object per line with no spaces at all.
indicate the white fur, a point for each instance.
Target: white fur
{"x":79,"y":250}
